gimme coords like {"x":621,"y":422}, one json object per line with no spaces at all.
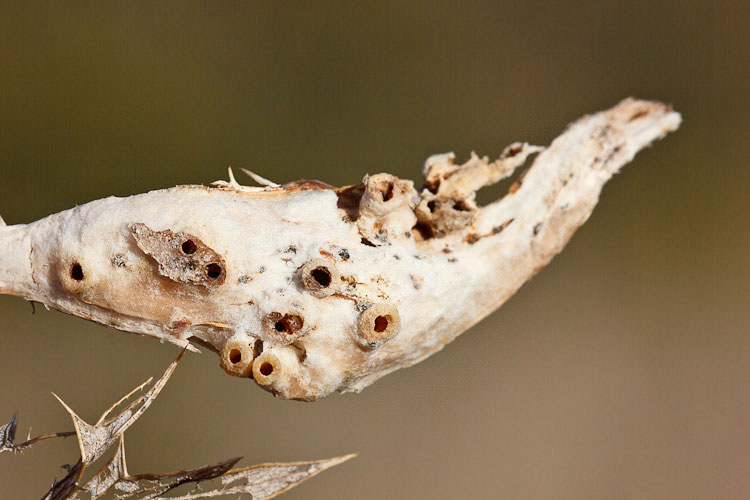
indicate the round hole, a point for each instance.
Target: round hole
{"x":235,"y":356}
{"x":381,"y":324}
{"x":322,"y":276}
{"x":280,"y":326}
{"x":432,"y":205}
{"x":76,"y":272}
{"x":266,"y":369}
{"x":189,"y":247}
{"x":388,"y":193}
{"x":213,"y":270}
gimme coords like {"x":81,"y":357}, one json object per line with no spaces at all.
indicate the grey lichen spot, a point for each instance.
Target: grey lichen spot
{"x":362,"y":306}
{"x":181,"y":257}
{"x":344,"y":254}
{"x":118,"y":260}
{"x":416,"y":282}
{"x":243,"y":279}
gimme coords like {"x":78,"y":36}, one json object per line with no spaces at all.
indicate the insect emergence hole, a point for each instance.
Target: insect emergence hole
{"x":189,"y":247}
{"x":388,"y":193}
{"x":213,"y":271}
{"x":76,"y":271}
{"x":461,"y":206}
{"x":266,"y":369}
{"x":235,"y":356}
{"x":322,"y":276}
{"x":381,"y":324}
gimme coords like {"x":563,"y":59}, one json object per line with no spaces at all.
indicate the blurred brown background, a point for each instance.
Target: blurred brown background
{"x":621,"y":371}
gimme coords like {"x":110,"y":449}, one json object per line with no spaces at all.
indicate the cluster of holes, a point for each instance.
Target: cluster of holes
{"x":189,"y":247}
{"x":76,"y":271}
{"x":288,"y":323}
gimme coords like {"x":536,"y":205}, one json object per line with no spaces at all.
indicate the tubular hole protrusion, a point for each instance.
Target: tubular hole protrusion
{"x":319,"y":277}
{"x":322,"y":275}
{"x":213,"y":271}
{"x":189,"y":247}
{"x":266,"y":368}
{"x":235,"y":356}
{"x":76,"y":271}
{"x":377,"y":325}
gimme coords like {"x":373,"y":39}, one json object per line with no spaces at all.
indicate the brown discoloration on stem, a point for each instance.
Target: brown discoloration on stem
{"x":181,"y":257}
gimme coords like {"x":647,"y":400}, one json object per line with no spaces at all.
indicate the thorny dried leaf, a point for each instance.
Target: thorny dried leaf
{"x":95,"y":440}
{"x":8,"y":434}
{"x":259,"y":481}
{"x":8,"y":437}
{"x":66,"y":487}
{"x":266,"y":480}
{"x":114,"y":477}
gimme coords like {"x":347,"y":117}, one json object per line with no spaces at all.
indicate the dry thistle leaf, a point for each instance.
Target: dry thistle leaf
{"x":266,"y":480}
{"x":224,"y":266}
{"x":8,"y":436}
{"x":259,"y":481}
{"x":96,"y":439}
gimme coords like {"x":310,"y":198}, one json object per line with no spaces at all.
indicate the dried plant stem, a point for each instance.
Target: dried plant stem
{"x":309,"y":288}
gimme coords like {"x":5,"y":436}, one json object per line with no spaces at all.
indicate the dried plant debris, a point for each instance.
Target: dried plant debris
{"x":114,"y":481}
{"x":217,"y":480}
{"x":8,"y":437}
{"x":96,"y":439}
{"x":285,"y":282}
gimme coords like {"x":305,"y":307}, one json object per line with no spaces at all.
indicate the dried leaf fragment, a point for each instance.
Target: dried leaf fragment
{"x":96,"y":439}
{"x":259,"y":481}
